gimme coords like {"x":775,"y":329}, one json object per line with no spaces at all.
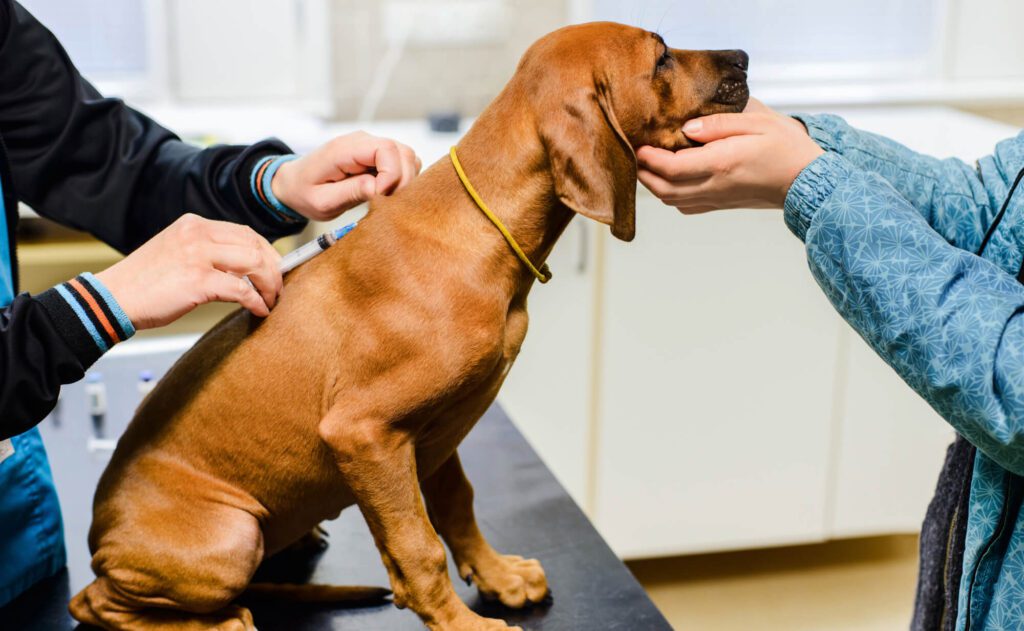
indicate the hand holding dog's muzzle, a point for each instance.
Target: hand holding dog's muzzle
{"x":747,"y":160}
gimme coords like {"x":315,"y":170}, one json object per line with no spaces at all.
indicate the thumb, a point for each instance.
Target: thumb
{"x":717,"y":126}
{"x":350,"y":192}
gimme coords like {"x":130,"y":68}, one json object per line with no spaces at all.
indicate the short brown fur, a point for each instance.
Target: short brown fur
{"x":381,"y":356}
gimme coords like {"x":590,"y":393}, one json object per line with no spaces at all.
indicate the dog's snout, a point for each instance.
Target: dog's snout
{"x":737,"y":59}
{"x":732,"y":89}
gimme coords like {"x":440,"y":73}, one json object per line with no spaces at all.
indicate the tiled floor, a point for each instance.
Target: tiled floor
{"x":862,"y":585}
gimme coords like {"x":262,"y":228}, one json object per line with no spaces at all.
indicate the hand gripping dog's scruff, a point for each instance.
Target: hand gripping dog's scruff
{"x":382,"y":354}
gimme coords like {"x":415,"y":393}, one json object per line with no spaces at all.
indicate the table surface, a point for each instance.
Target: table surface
{"x":521,"y":508}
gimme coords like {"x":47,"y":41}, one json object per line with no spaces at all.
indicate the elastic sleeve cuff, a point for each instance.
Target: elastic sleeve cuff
{"x":824,"y":129}
{"x":811,"y":188}
{"x":257,"y":215}
{"x":87,"y":316}
{"x":260,"y":186}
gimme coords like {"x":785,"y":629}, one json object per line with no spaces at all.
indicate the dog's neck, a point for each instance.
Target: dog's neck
{"x":507,"y":164}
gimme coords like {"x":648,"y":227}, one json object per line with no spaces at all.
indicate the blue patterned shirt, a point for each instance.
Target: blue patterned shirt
{"x":890,"y":236}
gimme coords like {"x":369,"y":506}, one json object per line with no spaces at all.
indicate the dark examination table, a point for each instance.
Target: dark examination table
{"x":522,"y":510}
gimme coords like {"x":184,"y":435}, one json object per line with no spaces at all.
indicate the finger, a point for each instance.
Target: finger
{"x":684,"y":164}
{"x":267,"y":277}
{"x":755,"y":106}
{"x":407,"y":170}
{"x":228,"y":233}
{"x":237,"y":259}
{"x":410,"y":168}
{"x":697,"y":209}
{"x":388,"y":163}
{"x":223,"y":234}
{"x":228,"y":288}
{"x":359,"y":152}
{"x":665,"y":190}
{"x":717,"y":126}
{"x":272,"y":261}
{"x":260,"y":266}
{"x":348,"y":193}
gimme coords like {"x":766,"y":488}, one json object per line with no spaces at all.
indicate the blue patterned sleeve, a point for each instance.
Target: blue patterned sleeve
{"x":949,"y":194}
{"x":949,"y":322}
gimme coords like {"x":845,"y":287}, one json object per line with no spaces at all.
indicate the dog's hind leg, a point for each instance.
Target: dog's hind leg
{"x":176,"y":565}
{"x":378,"y":464}
{"x":513,"y":580}
{"x":100,"y":605}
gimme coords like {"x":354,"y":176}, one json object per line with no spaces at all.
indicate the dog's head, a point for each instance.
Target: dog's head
{"x":600,"y":90}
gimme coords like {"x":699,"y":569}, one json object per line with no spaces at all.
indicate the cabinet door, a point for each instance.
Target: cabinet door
{"x":547,"y":393}
{"x":890,"y":448}
{"x":718,"y":361}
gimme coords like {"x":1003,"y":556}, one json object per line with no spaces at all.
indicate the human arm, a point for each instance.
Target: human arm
{"x":52,"y":338}
{"x":96,"y":164}
{"x":948,"y":322}
{"x":49,"y":340}
{"x":949,"y":194}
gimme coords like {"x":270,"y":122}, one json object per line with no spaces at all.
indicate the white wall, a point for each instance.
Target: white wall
{"x":985,"y":39}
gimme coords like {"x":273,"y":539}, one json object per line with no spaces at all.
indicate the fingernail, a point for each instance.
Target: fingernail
{"x":693,"y":126}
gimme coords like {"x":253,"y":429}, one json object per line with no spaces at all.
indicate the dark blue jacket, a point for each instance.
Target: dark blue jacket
{"x":94,"y":164}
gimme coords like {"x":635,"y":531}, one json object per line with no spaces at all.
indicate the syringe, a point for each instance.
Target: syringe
{"x":304,"y":253}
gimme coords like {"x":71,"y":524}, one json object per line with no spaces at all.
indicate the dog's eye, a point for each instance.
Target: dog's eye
{"x":664,"y":60}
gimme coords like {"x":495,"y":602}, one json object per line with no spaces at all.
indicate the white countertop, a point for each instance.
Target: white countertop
{"x":300,"y":131}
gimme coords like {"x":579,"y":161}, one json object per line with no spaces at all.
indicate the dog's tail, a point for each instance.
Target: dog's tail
{"x":307,"y":593}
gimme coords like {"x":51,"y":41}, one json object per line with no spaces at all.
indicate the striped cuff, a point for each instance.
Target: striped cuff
{"x":87,"y":315}
{"x":262,"y":175}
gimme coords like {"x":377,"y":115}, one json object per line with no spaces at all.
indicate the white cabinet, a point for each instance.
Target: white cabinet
{"x":716,"y":386}
{"x":889,"y":447}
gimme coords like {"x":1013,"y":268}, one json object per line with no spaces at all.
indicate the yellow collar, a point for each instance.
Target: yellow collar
{"x":544,"y":273}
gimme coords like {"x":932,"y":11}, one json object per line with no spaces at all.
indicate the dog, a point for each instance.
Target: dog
{"x":382,"y":354}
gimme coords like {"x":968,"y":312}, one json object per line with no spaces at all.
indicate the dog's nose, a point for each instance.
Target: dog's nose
{"x":737,"y":59}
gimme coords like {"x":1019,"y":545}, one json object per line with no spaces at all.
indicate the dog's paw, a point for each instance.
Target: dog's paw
{"x":313,"y":541}
{"x":470,"y":621}
{"x":515,"y":581}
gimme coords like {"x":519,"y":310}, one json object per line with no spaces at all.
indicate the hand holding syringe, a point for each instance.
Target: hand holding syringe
{"x":306,"y":252}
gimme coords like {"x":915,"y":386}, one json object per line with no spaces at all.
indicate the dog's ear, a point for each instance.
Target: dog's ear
{"x":592,"y":161}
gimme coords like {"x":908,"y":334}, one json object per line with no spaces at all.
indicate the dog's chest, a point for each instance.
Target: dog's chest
{"x":450,"y":423}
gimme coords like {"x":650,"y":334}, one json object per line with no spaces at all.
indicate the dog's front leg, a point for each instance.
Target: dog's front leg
{"x":378,"y":464}
{"x":513,"y":580}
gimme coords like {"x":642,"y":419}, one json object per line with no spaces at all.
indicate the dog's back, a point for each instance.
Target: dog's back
{"x":235,"y":418}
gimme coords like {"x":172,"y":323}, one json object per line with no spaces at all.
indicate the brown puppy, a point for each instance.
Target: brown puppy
{"x":383,"y":353}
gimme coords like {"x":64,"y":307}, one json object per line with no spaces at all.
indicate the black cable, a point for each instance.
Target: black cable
{"x":999,"y":217}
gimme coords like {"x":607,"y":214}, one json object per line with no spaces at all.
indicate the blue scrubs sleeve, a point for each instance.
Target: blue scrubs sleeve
{"x":31,"y":530}
{"x":6,"y":281}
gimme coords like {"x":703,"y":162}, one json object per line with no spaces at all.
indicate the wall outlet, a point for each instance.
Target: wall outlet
{"x":437,"y":23}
